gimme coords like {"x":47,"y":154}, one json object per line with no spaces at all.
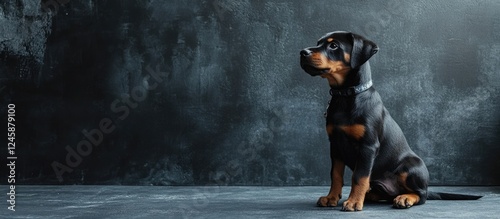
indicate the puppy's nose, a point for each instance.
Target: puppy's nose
{"x":305,"y":52}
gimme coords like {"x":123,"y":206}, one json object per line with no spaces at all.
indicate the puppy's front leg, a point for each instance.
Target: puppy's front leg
{"x":337,"y":177}
{"x":361,"y":178}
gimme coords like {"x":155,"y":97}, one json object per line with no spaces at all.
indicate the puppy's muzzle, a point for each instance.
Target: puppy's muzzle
{"x":308,"y":66}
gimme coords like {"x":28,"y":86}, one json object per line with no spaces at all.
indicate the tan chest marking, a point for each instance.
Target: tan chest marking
{"x":357,"y":131}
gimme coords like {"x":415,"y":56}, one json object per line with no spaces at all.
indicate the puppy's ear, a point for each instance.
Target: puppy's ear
{"x":362,"y":50}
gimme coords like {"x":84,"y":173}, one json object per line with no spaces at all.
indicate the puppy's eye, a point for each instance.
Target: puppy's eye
{"x":333,"y":46}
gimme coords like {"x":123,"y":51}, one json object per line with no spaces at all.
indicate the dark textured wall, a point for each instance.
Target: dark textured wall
{"x":210,"y":92}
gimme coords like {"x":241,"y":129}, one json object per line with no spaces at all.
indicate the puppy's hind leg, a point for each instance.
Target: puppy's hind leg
{"x":413,"y":181}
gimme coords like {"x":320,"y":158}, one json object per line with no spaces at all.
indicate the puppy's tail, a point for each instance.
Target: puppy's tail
{"x":450,"y":196}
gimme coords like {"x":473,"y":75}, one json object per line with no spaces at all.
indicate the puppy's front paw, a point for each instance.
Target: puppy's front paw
{"x":352,"y":205}
{"x":326,"y":201}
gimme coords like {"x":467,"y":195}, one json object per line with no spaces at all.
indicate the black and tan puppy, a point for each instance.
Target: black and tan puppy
{"x":362,"y":134}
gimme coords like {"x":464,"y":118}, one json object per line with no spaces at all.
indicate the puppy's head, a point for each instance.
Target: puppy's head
{"x":335,"y":55}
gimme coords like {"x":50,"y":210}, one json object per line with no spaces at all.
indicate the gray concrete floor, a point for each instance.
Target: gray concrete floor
{"x":226,"y":202}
